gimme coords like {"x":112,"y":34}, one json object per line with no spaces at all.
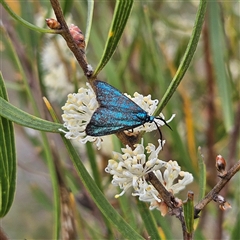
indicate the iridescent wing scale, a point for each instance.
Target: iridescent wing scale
{"x":116,"y":112}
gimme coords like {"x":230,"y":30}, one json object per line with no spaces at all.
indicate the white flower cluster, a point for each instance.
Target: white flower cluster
{"x":80,"y":107}
{"x":78,"y":111}
{"x":129,"y":169}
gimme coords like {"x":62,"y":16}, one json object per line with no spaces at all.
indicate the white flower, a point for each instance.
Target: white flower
{"x":78,"y":111}
{"x":171,"y":174}
{"x":167,"y":175}
{"x":129,"y":169}
{"x":146,"y":192}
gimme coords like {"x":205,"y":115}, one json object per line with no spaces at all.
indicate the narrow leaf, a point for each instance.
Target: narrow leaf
{"x":148,"y":220}
{"x":219,"y":48}
{"x":202,"y":177}
{"x":7,"y":160}
{"x":121,"y":14}
{"x":20,"y":117}
{"x":188,"y":209}
{"x":187,"y":58}
{"x":67,"y":6}
{"x":104,"y":206}
{"x":89,"y":21}
{"x":24,"y":22}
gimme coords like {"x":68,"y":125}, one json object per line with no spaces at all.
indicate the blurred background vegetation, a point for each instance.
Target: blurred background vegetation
{"x":206,"y":105}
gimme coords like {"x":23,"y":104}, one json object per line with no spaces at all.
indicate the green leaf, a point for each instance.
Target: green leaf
{"x":187,"y":58}
{"x":67,"y":6}
{"x":104,"y":206}
{"x":93,"y":162}
{"x":201,"y":182}
{"x":219,"y":49}
{"x":202,"y":177}
{"x":128,"y":211}
{"x":148,"y":220}
{"x":20,"y":117}
{"x":24,"y":22}
{"x":188,"y":209}
{"x":121,"y":14}
{"x":7,"y":160}
{"x":89,"y":21}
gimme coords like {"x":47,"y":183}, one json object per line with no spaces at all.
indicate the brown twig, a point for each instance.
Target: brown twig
{"x":80,"y":56}
{"x":165,"y":195}
{"x":171,"y":202}
{"x":218,"y":187}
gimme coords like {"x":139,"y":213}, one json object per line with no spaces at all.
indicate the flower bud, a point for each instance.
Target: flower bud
{"x":221,"y":165}
{"x":53,"y":23}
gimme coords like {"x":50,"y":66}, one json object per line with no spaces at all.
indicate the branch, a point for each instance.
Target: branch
{"x":167,"y":197}
{"x":172,"y":203}
{"x":78,"y":53}
{"x":218,"y":187}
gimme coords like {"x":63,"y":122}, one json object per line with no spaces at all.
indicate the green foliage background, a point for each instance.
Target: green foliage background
{"x":154,"y":41}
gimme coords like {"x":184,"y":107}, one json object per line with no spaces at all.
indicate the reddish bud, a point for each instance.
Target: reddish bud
{"x":53,"y":24}
{"x":221,"y":165}
{"x":78,"y":36}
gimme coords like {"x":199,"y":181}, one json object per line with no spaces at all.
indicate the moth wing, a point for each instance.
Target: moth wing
{"x":107,"y":121}
{"x":110,"y":97}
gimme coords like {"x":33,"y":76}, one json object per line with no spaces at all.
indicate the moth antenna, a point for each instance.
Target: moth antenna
{"x":160,"y":133}
{"x":164,"y":121}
